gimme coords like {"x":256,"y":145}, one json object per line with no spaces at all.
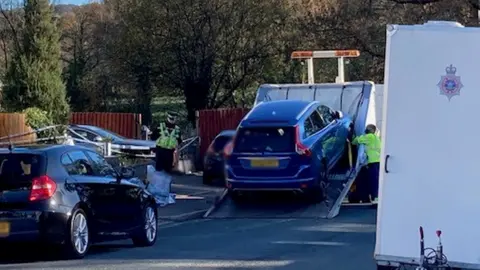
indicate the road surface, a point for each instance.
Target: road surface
{"x":346,"y":242}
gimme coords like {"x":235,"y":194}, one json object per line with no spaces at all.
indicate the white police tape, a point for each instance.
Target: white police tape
{"x":116,"y":148}
{"x":30,"y":132}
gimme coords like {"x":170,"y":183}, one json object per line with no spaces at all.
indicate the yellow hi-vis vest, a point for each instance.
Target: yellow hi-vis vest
{"x":168,"y":140}
{"x":372,"y":146}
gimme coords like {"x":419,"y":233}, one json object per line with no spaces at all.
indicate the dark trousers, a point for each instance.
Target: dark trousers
{"x":363,"y":185}
{"x":373,"y":176}
{"x":164,"y":159}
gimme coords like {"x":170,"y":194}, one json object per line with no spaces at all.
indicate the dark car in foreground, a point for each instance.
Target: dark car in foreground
{"x":70,"y":196}
{"x":97,"y":134}
{"x":214,"y":163}
{"x":287,"y":145}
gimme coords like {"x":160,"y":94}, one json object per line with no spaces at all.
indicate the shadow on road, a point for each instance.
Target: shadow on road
{"x":272,"y":199}
{"x":29,"y":253}
{"x":345,"y":242}
{"x":268,"y":205}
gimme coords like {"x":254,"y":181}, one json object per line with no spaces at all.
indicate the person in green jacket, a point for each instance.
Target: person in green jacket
{"x":169,"y":138}
{"x":372,"y":143}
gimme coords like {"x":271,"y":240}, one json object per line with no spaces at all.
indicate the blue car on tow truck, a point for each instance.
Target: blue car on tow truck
{"x":285,"y":145}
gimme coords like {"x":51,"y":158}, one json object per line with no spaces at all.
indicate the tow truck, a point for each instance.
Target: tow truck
{"x":357,"y":99}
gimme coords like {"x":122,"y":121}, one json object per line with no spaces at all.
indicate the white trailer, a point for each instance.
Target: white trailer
{"x":430,"y":170}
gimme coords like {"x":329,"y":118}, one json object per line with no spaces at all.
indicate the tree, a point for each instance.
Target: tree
{"x":10,"y":20}
{"x":83,"y":54}
{"x":34,"y":77}
{"x":135,"y":48}
{"x":216,"y":47}
{"x":361,"y":24}
{"x":464,"y":11}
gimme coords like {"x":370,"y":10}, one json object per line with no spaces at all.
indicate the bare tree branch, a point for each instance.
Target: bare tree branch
{"x":417,"y":2}
{"x":12,"y":27}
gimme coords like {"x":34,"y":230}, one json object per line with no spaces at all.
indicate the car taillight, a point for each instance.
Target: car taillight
{"x":228,"y":149}
{"x":43,"y":188}
{"x":300,"y":148}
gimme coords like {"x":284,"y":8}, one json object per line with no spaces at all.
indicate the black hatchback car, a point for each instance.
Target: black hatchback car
{"x":70,"y":196}
{"x":214,"y":163}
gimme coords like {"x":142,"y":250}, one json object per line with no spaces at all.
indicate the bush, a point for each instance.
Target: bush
{"x":37,"y":118}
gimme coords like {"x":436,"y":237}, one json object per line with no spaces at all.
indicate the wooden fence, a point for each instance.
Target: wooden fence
{"x":212,"y":122}
{"x":126,"y":124}
{"x":15,"y":123}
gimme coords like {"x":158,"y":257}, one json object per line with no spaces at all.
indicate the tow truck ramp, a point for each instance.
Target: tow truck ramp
{"x":285,"y":205}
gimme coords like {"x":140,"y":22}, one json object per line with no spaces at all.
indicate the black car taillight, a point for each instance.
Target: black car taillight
{"x":43,"y":187}
{"x":228,"y":149}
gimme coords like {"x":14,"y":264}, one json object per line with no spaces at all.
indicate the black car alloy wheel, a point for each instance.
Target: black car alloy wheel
{"x":147,"y":234}
{"x":79,"y":238}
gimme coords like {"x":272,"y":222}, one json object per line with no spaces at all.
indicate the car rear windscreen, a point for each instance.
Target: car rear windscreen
{"x":271,"y":139}
{"x":220,"y":143}
{"x":20,"y":168}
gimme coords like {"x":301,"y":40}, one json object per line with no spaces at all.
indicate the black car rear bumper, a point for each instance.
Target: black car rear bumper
{"x":28,"y":226}
{"x":214,"y":167}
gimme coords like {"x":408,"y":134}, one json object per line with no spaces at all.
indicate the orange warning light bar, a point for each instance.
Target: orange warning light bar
{"x":347,"y":53}
{"x":302,"y":54}
{"x":325,"y":54}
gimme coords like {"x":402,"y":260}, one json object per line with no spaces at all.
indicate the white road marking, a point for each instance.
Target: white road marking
{"x":222,"y":264}
{"x":311,"y":243}
{"x":171,"y":264}
{"x":188,"y":197}
{"x":340,"y":227}
{"x":171,"y":224}
{"x":203,"y":188}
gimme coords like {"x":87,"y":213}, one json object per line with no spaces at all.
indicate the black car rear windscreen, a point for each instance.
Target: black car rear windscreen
{"x":220,"y":143}
{"x":20,"y":168}
{"x":265,"y":140}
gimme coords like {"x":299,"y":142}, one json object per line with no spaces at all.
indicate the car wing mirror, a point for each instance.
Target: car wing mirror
{"x":338,"y":114}
{"x":98,"y":139}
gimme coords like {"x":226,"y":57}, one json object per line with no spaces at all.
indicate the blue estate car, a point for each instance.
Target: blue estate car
{"x":285,"y":145}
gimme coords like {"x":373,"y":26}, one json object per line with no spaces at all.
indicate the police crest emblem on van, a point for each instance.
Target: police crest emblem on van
{"x":450,"y":84}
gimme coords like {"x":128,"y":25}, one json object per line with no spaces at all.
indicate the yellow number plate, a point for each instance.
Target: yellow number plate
{"x":263,"y":163}
{"x":4,"y":229}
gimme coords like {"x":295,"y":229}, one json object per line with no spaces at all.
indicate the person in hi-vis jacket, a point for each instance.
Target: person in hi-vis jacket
{"x":372,"y":144}
{"x":167,"y":142}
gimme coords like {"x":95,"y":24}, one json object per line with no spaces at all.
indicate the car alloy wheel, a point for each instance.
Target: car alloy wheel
{"x":80,"y":234}
{"x":150,"y":224}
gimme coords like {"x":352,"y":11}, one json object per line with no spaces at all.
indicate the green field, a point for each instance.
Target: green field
{"x":162,"y":105}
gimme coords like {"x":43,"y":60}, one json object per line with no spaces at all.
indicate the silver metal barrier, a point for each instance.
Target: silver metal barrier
{"x":186,"y":155}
